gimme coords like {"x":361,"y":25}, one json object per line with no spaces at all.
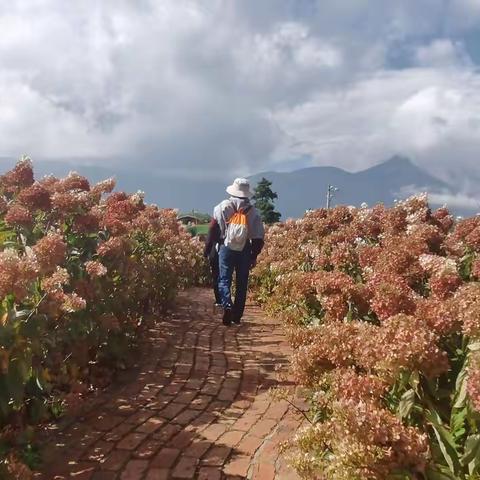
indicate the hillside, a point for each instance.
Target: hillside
{"x":298,"y":191}
{"x":393,"y":179}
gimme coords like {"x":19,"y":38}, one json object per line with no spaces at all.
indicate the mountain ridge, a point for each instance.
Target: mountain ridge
{"x":382,"y":183}
{"x":298,"y":190}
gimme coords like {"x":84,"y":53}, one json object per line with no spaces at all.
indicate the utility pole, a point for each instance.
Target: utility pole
{"x":330,"y":194}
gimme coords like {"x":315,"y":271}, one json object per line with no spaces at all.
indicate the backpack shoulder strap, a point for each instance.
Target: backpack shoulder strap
{"x":235,"y":211}
{"x":232,"y":203}
{"x":246,"y":209}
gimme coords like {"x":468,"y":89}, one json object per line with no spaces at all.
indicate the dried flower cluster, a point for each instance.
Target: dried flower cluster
{"x":382,"y":306}
{"x":79,"y":266}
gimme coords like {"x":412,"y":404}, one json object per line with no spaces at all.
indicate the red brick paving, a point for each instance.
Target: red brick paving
{"x":198,"y":408}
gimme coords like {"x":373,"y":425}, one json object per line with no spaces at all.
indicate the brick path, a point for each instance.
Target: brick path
{"x":197,"y":408}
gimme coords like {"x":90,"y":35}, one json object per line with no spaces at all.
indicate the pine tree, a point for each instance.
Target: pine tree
{"x":264,"y":201}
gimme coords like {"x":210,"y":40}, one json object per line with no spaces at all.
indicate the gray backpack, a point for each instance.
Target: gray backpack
{"x":236,"y":234}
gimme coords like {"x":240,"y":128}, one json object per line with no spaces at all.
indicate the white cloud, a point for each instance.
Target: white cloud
{"x":462,"y":14}
{"x":290,"y":43}
{"x":428,"y":114}
{"x":454,"y":201}
{"x":442,"y":52}
{"x":112,"y":80}
{"x":212,"y":88}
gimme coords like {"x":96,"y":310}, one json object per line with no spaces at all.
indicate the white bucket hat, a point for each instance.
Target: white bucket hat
{"x":240,"y":188}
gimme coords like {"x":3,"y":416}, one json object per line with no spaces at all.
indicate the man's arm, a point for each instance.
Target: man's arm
{"x":257,"y":246}
{"x":213,"y":237}
{"x":257,"y":234}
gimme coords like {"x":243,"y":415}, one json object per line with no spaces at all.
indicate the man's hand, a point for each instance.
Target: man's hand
{"x":253,"y":263}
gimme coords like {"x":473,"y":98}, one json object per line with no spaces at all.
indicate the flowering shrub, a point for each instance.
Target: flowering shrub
{"x":79,"y":267}
{"x":382,"y":306}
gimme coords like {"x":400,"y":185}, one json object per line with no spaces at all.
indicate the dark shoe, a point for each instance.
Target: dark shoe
{"x":236,"y":319}
{"x":227,"y":316}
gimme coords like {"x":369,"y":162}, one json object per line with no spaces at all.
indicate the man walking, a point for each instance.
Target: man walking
{"x":238,"y":229}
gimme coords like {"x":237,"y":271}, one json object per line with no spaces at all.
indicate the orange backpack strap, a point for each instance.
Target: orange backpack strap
{"x":243,"y":211}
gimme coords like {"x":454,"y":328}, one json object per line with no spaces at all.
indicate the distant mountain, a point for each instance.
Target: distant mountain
{"x":394,"y":179}
{"x":180,"y":193}
{"x":297,"y":191}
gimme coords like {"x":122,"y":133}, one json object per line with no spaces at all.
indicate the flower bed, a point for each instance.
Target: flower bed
{"x":79,"y":268}
{"x":382,"y":306}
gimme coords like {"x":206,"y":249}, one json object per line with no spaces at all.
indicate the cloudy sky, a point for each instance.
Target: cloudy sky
{"x":210,"y":87}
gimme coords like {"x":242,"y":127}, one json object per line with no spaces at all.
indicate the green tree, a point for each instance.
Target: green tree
{"x":264,"y":201}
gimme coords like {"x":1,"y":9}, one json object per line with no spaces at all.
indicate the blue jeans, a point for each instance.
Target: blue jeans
{"x":239,"y":262}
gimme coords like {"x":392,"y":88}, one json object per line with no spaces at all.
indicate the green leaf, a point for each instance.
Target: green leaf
{"x":16,"y":378}
{"x":399,"y":476}
{"x":465,"y":267}
{"x":406,"y":403}
{"x":472,"y":415}
{"x":10,"y":244}
{"x":4,"y":398}
{"x":37,"y":410}
{"x":461,"y":388}
{"x":21,"y":314}
{"x":445,"y":441}
{"x":32,"y":328}
{"x":439,"y":473}
{"x":349,"y":316}
{"x":414,"y":380}
{"x":39,"y":385}
{"x":471,"y":456}
{"x":33,"y":387}
{"x":457,"y":423}
{"x":317,"y":417}
{"x":7,"y":336}
{"x":474,"y":346}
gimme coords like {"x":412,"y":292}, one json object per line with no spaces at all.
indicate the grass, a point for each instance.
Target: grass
{"x":199,"y":229}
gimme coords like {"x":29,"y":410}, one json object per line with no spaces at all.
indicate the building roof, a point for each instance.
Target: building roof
{"x":188,"y":218}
